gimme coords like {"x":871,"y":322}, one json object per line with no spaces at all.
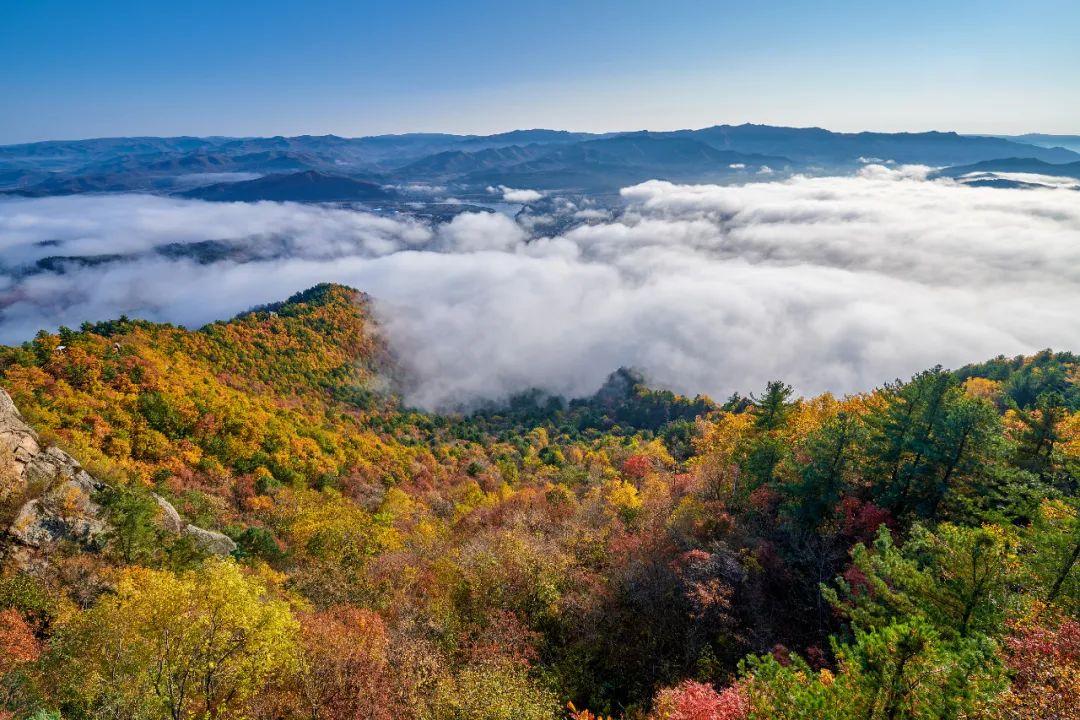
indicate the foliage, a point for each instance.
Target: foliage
{"x":1044,"y":659}
{"x":199,"y":644}
{"x":494,"y":691}
{"x":902,"y":670}
{"x":907,"y":553}
{"x":960,"y":580}
{"x":691,"y":700}
{"x":19,"y":650}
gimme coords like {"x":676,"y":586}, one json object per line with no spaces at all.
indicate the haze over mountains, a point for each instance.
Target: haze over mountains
{"x":326,"y":168}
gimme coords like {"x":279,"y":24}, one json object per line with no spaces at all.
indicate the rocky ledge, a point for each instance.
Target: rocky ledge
{"x":60,"y":502}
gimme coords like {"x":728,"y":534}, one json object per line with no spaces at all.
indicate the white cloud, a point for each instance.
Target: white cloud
{"x":829,"y":283}
{"x":514,"y":195}
{"x":420,"y":188}
{"x":1024,"y":178}
{"x":87,"y":225}
{"x":472,"y":232}
{"x":535,"y":222}
{"x":737,"y":166}
{"x":592,"y":214}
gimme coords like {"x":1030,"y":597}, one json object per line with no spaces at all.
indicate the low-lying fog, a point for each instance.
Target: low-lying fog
{"x":833,"y":283}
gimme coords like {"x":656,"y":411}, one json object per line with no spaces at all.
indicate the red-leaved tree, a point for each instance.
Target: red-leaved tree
{"x":690,"y":700}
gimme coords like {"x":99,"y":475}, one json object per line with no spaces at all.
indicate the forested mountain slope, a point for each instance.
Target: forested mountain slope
{"x":908,"y":553}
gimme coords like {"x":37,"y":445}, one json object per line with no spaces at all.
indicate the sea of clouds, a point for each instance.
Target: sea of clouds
{"x":837,"y":283}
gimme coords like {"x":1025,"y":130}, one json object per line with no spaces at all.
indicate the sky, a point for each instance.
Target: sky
{"x":74,"y":69}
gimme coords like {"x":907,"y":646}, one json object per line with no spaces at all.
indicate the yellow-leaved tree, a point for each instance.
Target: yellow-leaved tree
{"x":194,"y":645}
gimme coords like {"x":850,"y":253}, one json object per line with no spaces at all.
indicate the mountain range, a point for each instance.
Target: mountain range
{"x":1013,"y":165}
{"x":1069,"y":142}
{"x":330,"y":168}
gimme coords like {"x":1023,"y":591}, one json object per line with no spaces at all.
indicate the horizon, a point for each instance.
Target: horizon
{"x":867,"y":131}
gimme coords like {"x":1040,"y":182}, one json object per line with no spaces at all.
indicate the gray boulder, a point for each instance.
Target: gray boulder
{"x":170,"y":519}
{"x":210,"y":541}
{"x":65,"y":511}
{"x":65,"y":508}
{"x":15,"y":435}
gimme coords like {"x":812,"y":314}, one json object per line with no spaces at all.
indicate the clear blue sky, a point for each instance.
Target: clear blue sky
{"x":76,"y":68}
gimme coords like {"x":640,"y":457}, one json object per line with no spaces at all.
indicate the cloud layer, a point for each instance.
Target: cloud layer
{"x":513,"y":195}
{"x":829,"y":283}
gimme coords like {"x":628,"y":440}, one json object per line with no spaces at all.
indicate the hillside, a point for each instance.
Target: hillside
{"x":307,"y":186}
{"x":616,"y":551}
{"x":1014,"y":165}
{"x":1069,"y":142}
{"x":142,"y":402}
{"x":611,"y":163}
{"x":819,"y":146}
{"x":453,"y":163}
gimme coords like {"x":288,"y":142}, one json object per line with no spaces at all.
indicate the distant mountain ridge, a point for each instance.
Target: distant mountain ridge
{"x":1069,"y":142}
{"x":816,"y":145}
{"x":549,"y":160}
{"x":307,"y":186}
{"x":1013,"y":165}
{"x":629,"y":159}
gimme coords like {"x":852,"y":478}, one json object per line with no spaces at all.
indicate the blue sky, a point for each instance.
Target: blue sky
{"x":72,"y":68}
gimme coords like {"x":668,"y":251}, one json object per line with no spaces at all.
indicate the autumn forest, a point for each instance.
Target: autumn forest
{"x":906,"y":553}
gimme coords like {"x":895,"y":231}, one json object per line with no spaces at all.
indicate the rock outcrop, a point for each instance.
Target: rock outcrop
{"x":64,"y":508}
{"x":65,"y":511}
{"x":61,"y":504}
{"x":170,"y":519}
{"x":211,"y":541}
{"x":16,"y":435}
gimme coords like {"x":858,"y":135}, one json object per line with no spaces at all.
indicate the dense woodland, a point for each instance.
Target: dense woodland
{"x":907,"y":553}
